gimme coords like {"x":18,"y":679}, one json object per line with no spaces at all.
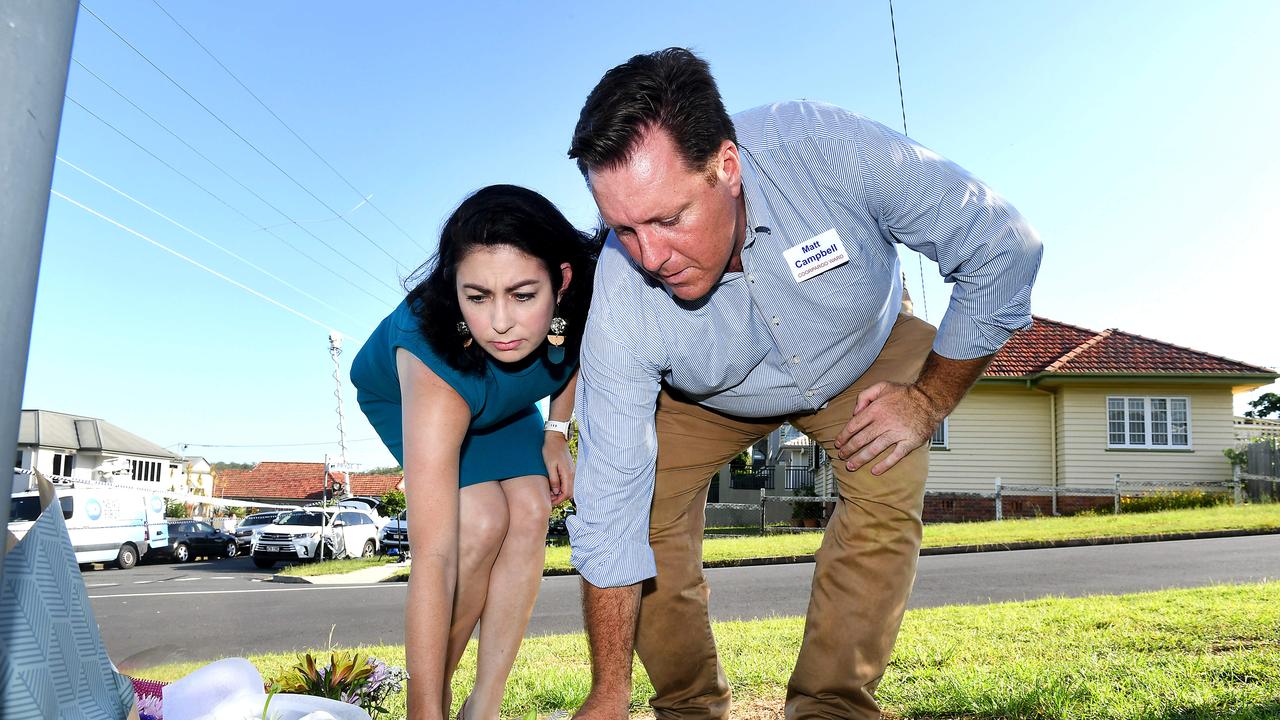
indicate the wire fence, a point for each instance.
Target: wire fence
{"x":816,"y":515}
{"x":1118,"y":489}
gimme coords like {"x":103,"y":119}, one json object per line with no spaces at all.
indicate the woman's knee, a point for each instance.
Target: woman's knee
{"x":528,"y":512}
{"x":482,"y":526}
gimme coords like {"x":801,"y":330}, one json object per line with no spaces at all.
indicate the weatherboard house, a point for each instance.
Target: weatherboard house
{"x":1068,"y":409}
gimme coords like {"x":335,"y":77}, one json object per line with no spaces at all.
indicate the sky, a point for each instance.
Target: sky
{"x":1138,"y":138}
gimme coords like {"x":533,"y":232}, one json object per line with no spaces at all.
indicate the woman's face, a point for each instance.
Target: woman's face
{"x":507,"y":299}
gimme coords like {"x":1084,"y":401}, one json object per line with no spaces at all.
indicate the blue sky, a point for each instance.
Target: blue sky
{"x":1139,"y":138}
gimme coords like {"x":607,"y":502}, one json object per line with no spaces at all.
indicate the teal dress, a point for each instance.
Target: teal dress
{"x":505,"y":436}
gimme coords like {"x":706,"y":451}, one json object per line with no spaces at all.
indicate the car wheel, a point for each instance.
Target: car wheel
{"x":182,"y":553}
{"x":231,"y":550}
{"x":127,"y":557}
{"x":263,"y":563}
{"x":369,"y":549}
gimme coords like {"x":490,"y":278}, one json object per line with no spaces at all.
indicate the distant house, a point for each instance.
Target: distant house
{"x":87,"y":448}
{"x":295,"y":483}
{"x":1060,"y":407}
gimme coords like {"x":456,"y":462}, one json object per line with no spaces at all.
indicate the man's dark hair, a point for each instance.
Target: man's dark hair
{"x":495,"y":216}
{"x":672,"y":89}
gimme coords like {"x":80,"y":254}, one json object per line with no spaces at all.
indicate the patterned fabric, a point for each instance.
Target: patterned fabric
{"x":52,"y":660}
{"x":763,"y":344}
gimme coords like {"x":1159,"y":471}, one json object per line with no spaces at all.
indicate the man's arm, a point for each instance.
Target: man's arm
{"x":981,"y":244}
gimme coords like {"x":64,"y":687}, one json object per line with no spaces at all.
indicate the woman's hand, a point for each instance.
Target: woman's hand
{"x":555,"y":452}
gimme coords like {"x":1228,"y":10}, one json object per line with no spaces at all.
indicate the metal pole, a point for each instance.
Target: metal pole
{"x":762,"y":523}
{"x":335,"y":349}
{"x":999,"y":502}
{"x":1235,"y":485}
{"x":1117,"y":493}
{"x":35,"y":50}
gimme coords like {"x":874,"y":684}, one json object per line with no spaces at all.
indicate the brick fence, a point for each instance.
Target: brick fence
{"x":966,"y":507}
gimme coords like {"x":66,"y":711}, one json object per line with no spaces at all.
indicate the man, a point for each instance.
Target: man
{"x":751,"y":279}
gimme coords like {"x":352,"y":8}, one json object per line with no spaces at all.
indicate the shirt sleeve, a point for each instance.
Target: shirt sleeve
{"x":980,"y":242}
{"x":617,"y":456}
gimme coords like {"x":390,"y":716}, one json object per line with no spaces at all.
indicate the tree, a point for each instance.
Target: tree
{"x":1266,"y":405}
{"x":389,"y":470}
{"x":393,"y":502}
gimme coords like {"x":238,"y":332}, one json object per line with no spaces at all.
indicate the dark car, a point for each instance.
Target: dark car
{"x":189,"y":539}
{"x":249,"y":528}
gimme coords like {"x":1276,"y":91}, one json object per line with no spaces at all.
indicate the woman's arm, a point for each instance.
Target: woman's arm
{"x":555,"y":447}
{"x":435,"y":422}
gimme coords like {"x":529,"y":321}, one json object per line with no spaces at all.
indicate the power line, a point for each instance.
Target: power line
{"x":215,"y":196}
{"x":286,"y":126}
{"x":274,"y":445}
{"x":902,"y":103}
{"x":242,"y":138}
{"x":197,"y":263}
{"x":188,"y":230}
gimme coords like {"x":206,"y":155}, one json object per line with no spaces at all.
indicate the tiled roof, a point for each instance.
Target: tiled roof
{"x":1049,"y":346}
{"x":294,"y":480}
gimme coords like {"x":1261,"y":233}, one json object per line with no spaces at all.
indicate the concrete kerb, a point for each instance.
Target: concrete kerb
{"x":949,"y":550}
{"x":363,"y":576}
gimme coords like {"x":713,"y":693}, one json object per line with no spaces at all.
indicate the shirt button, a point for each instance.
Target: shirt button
{"x":795,"y":359}
{"x":751,"y":278}
{"x":808,"y":393}
{"x":775,"y":320}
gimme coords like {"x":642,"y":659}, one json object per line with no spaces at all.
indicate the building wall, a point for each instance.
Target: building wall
{"x":996,"y":431}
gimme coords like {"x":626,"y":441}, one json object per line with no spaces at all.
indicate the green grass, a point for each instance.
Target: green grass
{"x":1224,"y":517}
{"x":1179,"y":654}
{"x":334,"y":567}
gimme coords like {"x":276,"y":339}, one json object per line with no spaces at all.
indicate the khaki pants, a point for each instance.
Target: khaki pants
{"x":864,"y":571}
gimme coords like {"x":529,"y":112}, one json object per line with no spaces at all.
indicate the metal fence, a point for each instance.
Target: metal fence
{"x":765,"y":499}
{"x":765,"y":477}
{"x":1119,"y":488}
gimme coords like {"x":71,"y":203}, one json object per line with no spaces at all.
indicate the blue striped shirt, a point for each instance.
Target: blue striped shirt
{"x":763,"y":344}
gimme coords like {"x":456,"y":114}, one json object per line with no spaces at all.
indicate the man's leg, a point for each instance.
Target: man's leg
{"x":867,"y":562}
{"x":674,"y":638}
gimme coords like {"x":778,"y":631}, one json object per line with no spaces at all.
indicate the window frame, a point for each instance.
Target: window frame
{"x":1148,"y":422}
{"x":945,"y":427}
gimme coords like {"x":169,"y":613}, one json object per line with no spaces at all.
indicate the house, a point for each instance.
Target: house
{"x":1068,"y":408}
{"x":1064,"y":409}
{"x":87,"y":448}
{"x":295,"y":483}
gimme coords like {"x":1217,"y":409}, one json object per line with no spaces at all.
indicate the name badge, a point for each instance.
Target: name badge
{"x":816,"y":255}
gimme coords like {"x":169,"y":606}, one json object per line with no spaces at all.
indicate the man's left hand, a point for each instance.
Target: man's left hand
{"x":887,"y":415}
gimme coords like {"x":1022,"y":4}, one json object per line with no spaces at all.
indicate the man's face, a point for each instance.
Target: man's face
{"x":683,"y":226}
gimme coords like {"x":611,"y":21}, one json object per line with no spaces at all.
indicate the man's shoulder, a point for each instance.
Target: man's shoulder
{"x":617,"y":277}
{"x":779,"y":124}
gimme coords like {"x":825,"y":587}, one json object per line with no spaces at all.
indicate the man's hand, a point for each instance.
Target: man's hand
{"x":904,"y":416}
{"x":887,"y":415}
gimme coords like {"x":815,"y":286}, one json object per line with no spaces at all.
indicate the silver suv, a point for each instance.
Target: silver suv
{"x":305,"y":534}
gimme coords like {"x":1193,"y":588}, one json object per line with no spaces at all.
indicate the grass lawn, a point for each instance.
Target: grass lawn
{"x":1222,"y":517}
{"x":1185,"y":654}
{"x":334,"y":567}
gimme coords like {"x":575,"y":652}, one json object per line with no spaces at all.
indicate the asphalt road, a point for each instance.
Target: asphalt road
{"x":200,"y":611}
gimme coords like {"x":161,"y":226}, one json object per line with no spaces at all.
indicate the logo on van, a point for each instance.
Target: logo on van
{"x":157,"y":504}
{"x":93,"y":509}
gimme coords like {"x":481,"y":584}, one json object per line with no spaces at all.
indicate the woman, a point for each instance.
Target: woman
{"x":449,"y":381}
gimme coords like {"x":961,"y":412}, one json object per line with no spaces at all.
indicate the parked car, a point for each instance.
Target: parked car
{"x":249,"y":528}
{"x":374,"y":506}
{"x":394,"y":537}
{"x":298,"y":535}
{"x":190,"y":539}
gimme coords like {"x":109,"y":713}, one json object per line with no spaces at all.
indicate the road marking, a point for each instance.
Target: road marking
{"x":258,"y":590}
{"x":185,"y":579}
{"x":98,"y":585}
{"x":144,"y":582}
{"x":222,"y":577}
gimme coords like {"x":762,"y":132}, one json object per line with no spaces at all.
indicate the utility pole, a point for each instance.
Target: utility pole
{"x":335,"y":349}
{"x":35,"y":50}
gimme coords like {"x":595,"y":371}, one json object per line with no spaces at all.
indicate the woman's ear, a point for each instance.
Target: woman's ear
{"x":566,"y":275}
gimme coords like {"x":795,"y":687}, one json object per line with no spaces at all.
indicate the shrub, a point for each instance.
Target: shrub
{"x":176,"y":509}
{"x":393,"y":502}
{"x":1172,"y":501}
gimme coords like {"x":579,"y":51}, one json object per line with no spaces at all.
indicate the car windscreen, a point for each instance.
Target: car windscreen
{"x":302,"y":518}
{"x":258,"y":520}
{"x":27,"y":509}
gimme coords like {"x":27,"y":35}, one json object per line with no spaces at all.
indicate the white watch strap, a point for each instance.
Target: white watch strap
{"x":560,"y":426}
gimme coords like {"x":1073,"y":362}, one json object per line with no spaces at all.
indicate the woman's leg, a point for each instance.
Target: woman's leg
{"x":482,"y":528}
{"x":513,"y":587}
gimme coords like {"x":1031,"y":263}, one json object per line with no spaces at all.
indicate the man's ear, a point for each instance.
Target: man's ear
{"x":729,"y":165}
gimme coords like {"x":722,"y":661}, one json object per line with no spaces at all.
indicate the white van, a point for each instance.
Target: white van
{"x":105,"y":524}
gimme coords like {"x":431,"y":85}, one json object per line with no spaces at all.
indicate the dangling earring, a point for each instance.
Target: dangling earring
{"x":465,"y":331}
{"x":555,"y":340}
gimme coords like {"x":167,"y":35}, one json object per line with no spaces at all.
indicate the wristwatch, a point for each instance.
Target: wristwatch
{"x":560,"y":426}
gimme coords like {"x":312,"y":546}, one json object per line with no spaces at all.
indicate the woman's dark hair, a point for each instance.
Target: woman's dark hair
{"x":494,"y":216}
{"x":671,"y":89}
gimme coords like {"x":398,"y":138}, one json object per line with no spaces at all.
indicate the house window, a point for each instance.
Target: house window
{"x":17,"y":464}
{"x":939,"y":439}
{"x":1149,"y":422}
{"x":63,"y":464}
{"x":145,"y":470}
